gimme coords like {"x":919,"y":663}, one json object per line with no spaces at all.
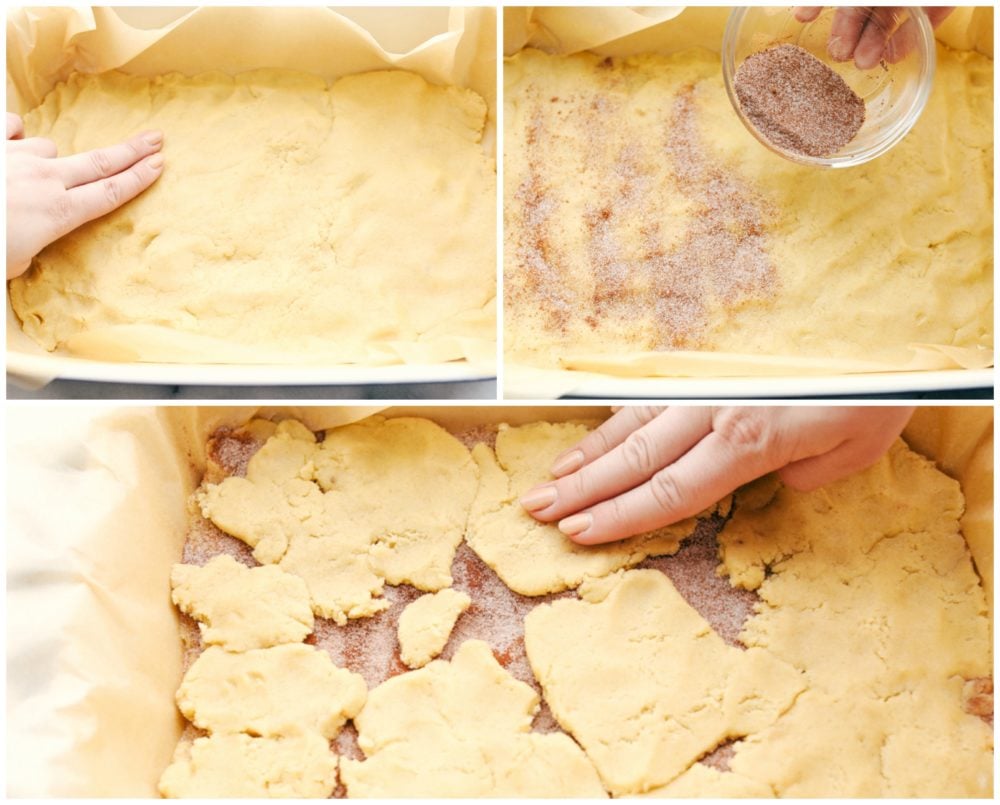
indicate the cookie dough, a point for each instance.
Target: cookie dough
{"x":534,"y":558}
{"x":462,"y":729}
{"x":848,"y":575}
{"x":281,"y":691}
{"x":701,"y":781}
{"x":426,"y":624}
{"x":641,"y":216}
{"x":239,"y":765}
{"x":644,"y":684}
{"x":241,"y":608}
{"x":294,"y":221}
{"x":382,"y":500}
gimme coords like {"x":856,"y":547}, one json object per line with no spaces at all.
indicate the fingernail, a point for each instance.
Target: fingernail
{"x":835,"y":47}
{"x":570,"y":462}
{"x":540,"y":498}
{"x":576,"y":523}
{"x":153,"y":138}
{"x":155,"y":161}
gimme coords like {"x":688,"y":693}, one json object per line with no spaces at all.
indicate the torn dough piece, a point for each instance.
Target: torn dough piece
{"x":378,"y":500}
{"x":279,"y":691}
{"x":702,"y":781}
{"x":241,"y":608}
{"x":536,"y":558}
{"x":847,"y":575}
{"x":643,"y":683}
{"x":426,"y":624}
{"x":239,"y":765}
{"x":462,"y":729}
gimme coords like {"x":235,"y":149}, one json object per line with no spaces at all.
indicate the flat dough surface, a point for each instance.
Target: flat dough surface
{"x":281,"y":691}
{"x":292,"y":219}
{"x":534,"y":558}
{"x":243,"y":766}
{"x":641,"y":216}
{"x":462,"y":729}
{"x":847,"y":576}
{"x":241,"y":608}
{"x":425,"y":625}
{"x":382,"y":500}
{"x":678,"y":690}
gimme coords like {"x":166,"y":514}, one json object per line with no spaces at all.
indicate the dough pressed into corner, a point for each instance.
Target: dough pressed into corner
{"x":462,"y":729}
{"x":426,"y":624}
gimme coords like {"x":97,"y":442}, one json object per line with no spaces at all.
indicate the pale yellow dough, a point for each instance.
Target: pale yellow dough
{"x":240,"y":608}
{"x":280,"y":691}
{"x":239,"y":765}
{"x":701,"y":781}
{"x":426,"y":624}
{"x":534,"y":558}
{"x":606,"y":195}
{"x":382,"y":500}
{"x":293,"y":221}
{"x":462,"y":729}
{"x":643,"y":682}
{"x":868,"y":587}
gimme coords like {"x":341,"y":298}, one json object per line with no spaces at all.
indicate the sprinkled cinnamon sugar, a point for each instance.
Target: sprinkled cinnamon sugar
{"x":797,"y":102}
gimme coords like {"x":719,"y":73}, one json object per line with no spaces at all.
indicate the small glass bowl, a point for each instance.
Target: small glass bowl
{"x":894,"y":93}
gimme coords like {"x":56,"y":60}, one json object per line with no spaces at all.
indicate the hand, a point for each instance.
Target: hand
{"x":49,"y":196}
{"x":869,"y":34}
{"x":648,"y":467}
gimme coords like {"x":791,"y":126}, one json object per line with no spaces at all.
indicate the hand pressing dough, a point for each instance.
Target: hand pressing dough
{"x":425,"y":625}
{"x":315,"y":222}
{"x":280,"y":691}
{"x":379,"y":500}
{"x":241,"y":608}
{"x":642,"y":682}
{"x":462,"y":729}
{"x":242,"y":766}
{"x":701,"y":781}
{"x":534,"y":558}
{"x":867,"y":586}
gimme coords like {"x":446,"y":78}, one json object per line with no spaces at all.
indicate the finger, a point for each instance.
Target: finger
{"x":607,"y":436}
{"x":904,"y":41}
{"x":633,"y":462}
{"x":39,"y":146}
{"x":15,"y":126}
{"x":846,"y":459}
{"x":90,"y":201}
{"x":104,"y":162}
{"x":701,"y":477}
{"x":845,"y":31}
{"x":882,"y":23}
{"x":806,"y":13}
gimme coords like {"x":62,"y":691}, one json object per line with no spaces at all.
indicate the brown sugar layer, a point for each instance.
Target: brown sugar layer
{"x":797,"y":102}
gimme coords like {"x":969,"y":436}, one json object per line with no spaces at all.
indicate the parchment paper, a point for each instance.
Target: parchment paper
{"x":446,"y":46}
{"x":96,"y":517}
{"x":623,"y":31}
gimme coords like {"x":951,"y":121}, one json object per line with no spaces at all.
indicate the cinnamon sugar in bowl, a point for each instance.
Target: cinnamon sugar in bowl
{"x":894,"y":91}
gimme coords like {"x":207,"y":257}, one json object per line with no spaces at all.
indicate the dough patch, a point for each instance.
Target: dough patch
{"x":241,"y":608}
{"x":535,"y":558}
{"x":462,"y":729}
{"x":425,"y":625}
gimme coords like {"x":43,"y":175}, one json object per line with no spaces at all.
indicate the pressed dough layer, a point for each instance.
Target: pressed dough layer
{"x":337,"y":223}
{"x":641,"y":216}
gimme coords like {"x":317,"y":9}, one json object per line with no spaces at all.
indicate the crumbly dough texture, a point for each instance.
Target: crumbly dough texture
{"x":677,"y":690}
{"x":867,"y":587}
{"x":462,"y":729}
{"x":292,"y":220}
{"x":612,"y":167}
{"x":426,"y":624}
{"x":534,"y":558}
{"x":239,"y":765}
{"x":241,"y":608}
{"x":381,"y":500}
{"x":701,"y":781}
{"x":285,"y":690}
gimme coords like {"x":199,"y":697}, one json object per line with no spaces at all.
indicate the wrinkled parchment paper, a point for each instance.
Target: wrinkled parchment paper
{"x":446,"y":46}
{"x":96,"y":517}
{"x":622,"y":31}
